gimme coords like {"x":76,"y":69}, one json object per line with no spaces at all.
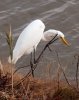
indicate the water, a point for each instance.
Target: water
{"x":62,"y":15}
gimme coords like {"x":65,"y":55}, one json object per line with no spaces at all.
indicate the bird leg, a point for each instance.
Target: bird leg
{"x":31,"y":64}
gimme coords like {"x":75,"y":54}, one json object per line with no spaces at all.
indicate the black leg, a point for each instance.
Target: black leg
{"x":31,"y":64}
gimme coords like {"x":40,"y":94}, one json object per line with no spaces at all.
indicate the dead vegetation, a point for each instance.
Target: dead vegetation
{"x":34,"y":89}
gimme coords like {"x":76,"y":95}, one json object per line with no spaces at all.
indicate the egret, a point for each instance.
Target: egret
{"x":29,"y":39}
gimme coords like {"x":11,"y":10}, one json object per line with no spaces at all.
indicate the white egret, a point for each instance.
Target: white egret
{"x":30,"y":38}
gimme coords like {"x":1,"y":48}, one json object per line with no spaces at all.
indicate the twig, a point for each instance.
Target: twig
{"x":25,"y":92}
{"x":28,"y":74}
{"x":59,"y":65}
{"x":62,"y":69}
{"x":46,"y":46}
{"x":58,"y":80}
{"x":77,"y":71}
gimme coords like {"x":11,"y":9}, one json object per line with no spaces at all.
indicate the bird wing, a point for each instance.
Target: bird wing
{"x":28,"y":39}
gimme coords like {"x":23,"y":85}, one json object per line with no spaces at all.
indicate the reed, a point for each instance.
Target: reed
{"x":1,"y":68}
{"x":9,"y":39}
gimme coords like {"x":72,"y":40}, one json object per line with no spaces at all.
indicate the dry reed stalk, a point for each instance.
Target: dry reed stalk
{"x":1,"y":67}
{"x":44,"y":96}
{"x":23,"y":87}
{"x":60,"y":67}
{"x":28,"y":87}
{"x":12,"y":80}
{"x":31,"y":97}
{"x":57,"y":75}
{"x":77,"y":68}
{"x":58,"y":79}
{"x":10,"y":44}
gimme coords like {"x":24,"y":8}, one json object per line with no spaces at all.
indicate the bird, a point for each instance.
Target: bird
{"x":49,"y":34}
{"x":28,"y":40}
{"x":30,"y":37}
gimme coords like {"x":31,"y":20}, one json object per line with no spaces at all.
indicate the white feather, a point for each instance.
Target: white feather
{"x":49,"y":34}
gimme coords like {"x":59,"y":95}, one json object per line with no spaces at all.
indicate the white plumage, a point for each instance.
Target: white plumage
{"x":28,"y":40}
{"x":49,"y":34}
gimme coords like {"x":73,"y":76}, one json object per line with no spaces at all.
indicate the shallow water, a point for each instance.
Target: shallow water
{"x":62,"y":15}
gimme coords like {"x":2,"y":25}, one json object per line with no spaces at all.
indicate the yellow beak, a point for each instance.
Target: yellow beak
{"x":65,"y":41}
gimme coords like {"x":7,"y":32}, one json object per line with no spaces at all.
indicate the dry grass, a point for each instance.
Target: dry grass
{"x":34,"y":89}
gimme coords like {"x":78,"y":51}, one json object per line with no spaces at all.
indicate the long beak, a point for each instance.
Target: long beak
{"x":65,"y":41}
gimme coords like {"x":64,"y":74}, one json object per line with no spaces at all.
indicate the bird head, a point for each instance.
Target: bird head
{"x":49,"y":34}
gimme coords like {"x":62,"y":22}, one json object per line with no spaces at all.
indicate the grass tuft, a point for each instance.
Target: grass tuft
{"x":34,"y":89}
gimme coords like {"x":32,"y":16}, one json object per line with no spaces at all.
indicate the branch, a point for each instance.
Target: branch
{"x":62,"y":69}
